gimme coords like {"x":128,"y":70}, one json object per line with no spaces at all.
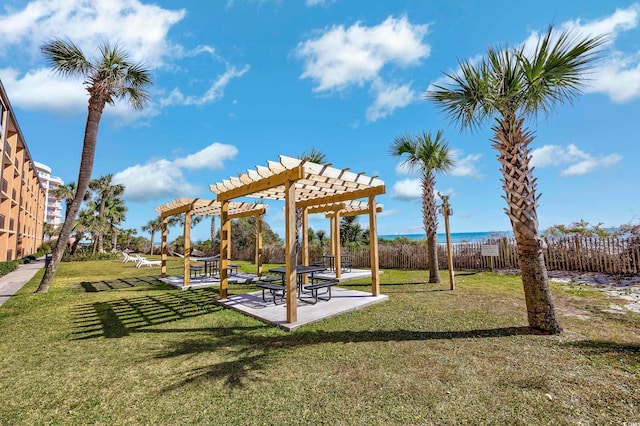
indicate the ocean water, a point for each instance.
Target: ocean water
{"x":456,"y":237}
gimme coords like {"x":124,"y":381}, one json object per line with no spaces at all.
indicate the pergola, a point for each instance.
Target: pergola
{"x":197,"y":206}
{"x":309,"y":187}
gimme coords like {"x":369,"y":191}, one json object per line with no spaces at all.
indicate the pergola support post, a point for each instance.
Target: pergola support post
{"x":305,"y":241}
{"x":259,"y":244}
{"x":187,"y":248}
{"x":225,"y":232}
{"x":337,"y":260}
{"x":163,"y":250}
{"x":373,"y":247}
{"x":290,"y":252}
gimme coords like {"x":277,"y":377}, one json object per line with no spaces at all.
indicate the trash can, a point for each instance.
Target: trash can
{"x":47,"y":260}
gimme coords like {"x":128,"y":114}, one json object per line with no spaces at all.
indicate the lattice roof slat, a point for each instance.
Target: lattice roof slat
{"x":316,"y":181}
{"x":207,"y":207}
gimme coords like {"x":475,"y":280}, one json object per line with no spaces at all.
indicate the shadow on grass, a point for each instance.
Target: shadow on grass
{"x":118,"y":318}
{"x":246,"y":354}
{"x":119,"y":284}
{"x":604,"y":347}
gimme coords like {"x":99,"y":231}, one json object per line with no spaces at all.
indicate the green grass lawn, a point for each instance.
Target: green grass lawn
{"x":111,"y":345}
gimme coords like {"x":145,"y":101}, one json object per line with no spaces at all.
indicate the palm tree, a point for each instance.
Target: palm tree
{"x":106,"y":191}
{"x":312,"y":156}
{"x":152,"y":227}
{"x":67,"y":193}
{"x":509,"y":85}
{"x":108,"y":78}
{"x":429,"y":155}
{"x":114,"y":212}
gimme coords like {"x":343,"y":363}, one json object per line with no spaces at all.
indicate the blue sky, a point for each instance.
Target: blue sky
{"x":240,"y":82}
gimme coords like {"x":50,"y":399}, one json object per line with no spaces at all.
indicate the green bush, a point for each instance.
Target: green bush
{"x":6,"y":267}
{"x":85,"y":254}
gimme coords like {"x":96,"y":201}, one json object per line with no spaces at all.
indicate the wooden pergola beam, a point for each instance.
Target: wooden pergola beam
{"x":277,"y":179}
{"x":345,"y":196}
{"x":248,"y":213}
{"x":354,"y":212}
{"x":329,"y":208}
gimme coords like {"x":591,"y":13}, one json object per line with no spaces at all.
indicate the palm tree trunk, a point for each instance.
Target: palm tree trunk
{"x":96,"y":106}
{"x":213,"y":234}
{"x":153,"y":234}
{"x":512,"y":141}
{"x":430,"y":223}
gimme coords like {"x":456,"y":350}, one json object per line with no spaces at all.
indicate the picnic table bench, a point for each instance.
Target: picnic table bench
{"x":318,"y":284}
{"x":277,"y":290}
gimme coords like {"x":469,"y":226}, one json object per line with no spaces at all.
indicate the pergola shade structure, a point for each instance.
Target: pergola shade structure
{"x":197,"y":206}
{"x":309,"y":187}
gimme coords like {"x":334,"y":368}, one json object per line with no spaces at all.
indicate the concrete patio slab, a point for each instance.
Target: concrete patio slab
{"x":342,"y":301}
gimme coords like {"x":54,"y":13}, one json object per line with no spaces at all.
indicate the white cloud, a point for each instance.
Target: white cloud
{"x":589,"y":165}
{"x":211,"y":157}
{"x":579,"y":162}
{"x":164,"y":178}
{"x":407,"y":190}
{"x":388,"y":213}
{"x":311,"y":3}
{"x":342,"y":57}
{"x":141,"y":28}
{"x":465,"y":165}
{"x":153,"y":180}
{"x":388,"y":98}
{"x":618,"y":77}
{"x":62,"y":94}
{"x":213,"y":94}
{"x":617,"y":74}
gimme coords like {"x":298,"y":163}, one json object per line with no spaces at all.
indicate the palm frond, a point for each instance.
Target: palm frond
{"x":65,"y":57}
{"x":555,"y":72}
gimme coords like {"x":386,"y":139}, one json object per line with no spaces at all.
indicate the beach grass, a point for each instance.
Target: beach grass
{"x":109,"y":344}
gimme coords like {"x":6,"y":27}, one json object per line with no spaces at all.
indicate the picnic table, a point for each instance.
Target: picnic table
{"x":313,"y":289}
{"x":345,"y":262}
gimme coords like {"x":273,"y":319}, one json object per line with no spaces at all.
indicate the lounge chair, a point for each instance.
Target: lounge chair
{"x":128,"y":258}
{"x":146,"y":262}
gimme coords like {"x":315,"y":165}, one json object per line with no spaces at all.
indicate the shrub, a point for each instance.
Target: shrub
{"x":6,"y":267}
{"x":83,"y":255}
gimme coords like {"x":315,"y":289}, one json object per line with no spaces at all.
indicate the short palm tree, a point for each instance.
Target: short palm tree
{"x":114,"y":213}
{"x":108,"y":78}
{"x":152,"y":227}
{"x":67,"y":193}
{"x":509,"y":85}
{"x":312,"y":156}
{"x":106,"y":190}
{"x":428,"y":155}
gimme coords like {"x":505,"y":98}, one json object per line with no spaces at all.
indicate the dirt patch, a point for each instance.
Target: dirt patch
{"x":625,"y":288}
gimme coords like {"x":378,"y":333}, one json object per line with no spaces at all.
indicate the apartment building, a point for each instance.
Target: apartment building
{"x":22,"y":193}
{"x":53,"y":206}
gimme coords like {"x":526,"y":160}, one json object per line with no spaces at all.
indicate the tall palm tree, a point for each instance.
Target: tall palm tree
{"x":105,"y":190}
{"x":428,"y":155}
{"x":511,"y":85}
{"x":108,"y":78}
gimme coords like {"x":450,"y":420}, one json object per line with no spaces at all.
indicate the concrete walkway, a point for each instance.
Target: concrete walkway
{"x":13,"y":281}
